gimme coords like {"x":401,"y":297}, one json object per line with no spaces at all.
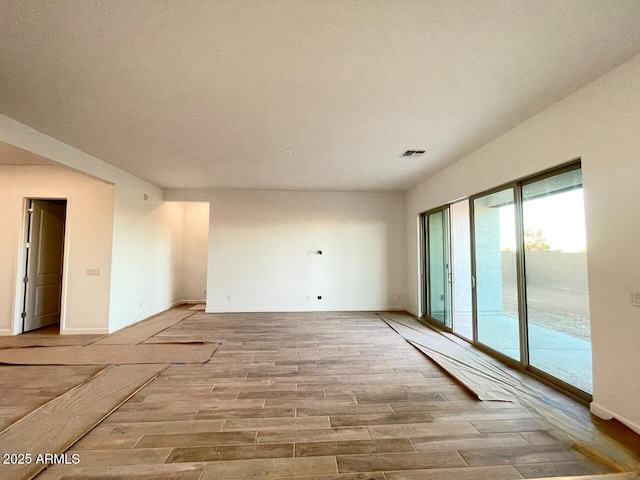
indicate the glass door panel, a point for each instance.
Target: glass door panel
{"x":438,"y":287}
{"x":556,"y":278}
{"x":461,"y":267}
{"x":496,"y":272}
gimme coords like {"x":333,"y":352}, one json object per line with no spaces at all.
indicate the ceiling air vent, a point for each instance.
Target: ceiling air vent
{"x":412,"y":153}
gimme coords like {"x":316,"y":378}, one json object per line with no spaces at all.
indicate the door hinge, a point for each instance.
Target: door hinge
{"x":25,"y":279}
{"x":29,"y":211}
{"x":23,"y":314}
{"x":28,"y":245}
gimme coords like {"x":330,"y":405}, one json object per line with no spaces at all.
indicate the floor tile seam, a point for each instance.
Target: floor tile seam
{"x":583,"y":459}
{"x":276,"y":458}
{"x":520,"y":477}
{"x":169,"y":456}
{"x":278,"y":429}
{"x":202,"y":472}
{"x":138,"y":437}
{"x":362,"y":454}
{"x":518,"y":433}
{"x":223,"y":425}
{"x":199,"y":433}
{"x":462,"y":457}
{"x":516,"y":465}
{"x":218,"y":445}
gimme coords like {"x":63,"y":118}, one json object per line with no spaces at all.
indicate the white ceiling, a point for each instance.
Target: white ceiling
{"x":208,"y":94}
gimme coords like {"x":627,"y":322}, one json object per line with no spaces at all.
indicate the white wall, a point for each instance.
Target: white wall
{"x":601,"y":124}
{"x":145,"y":278}
{"x":89,"y":232}
{"x":262,"y":244}
{"x":147,"y":257}
{"x":195,"y":251}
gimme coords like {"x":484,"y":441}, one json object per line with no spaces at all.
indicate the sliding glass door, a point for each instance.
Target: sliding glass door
{"x":507,"y":270}
{"x":438,"y":272}
{"x":461,"y":269}
{"x":447,"y":268}
{"x":557,"y":298}
{"x":496,"y":289}
{"x":531,"y":301}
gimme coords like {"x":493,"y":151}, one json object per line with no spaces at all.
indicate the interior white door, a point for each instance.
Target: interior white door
{"x":44,"y":264}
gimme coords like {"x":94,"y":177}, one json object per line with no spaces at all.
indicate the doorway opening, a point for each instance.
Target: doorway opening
{"x":42,"y":302}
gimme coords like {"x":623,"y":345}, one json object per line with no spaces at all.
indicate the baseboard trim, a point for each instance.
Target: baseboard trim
{"x":606,"y":414}
{"x":156,"y":311}
{"x":412,"y":312}
{"x":6,"y":332}
{"x":193,"y":302}
{"x":303,"y":310}
{"x":84,"y":331}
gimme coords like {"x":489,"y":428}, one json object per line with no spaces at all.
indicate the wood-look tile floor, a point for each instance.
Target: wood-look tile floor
{"x":315,"y":396}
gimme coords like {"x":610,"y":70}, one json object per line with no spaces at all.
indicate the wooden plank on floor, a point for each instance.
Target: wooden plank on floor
{"x":141,"y":331}
{"x":108,"y":354}
{"x":57,"y":425}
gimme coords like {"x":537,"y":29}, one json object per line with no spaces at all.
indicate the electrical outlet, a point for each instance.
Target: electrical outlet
{"x":307,"y":297}
{"x":319,"y":297}
{"x":228,"y":298}
{"x":635,"y":300}
{"x":93,"y":272}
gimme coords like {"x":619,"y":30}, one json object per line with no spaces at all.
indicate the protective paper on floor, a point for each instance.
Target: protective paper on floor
{"x":482,"y":378}
{"x":27,"y":340}
{"x":27,"y":387}
{"x":141,"y":331}
{"x":58,"y":424}
{"x":489,"y":382}
{"x":108,"y":354}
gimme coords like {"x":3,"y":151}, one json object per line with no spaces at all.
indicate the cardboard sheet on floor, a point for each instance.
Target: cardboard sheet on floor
{"x":176,"y":340}
{"x":58,"y":424}
{"x":39,"y":340}
{"x":489,"y":382}
{"x":139,"y":332}
{"x":108,"y":354}
{"x":25,"y":388}
{"x":482,"y":378}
